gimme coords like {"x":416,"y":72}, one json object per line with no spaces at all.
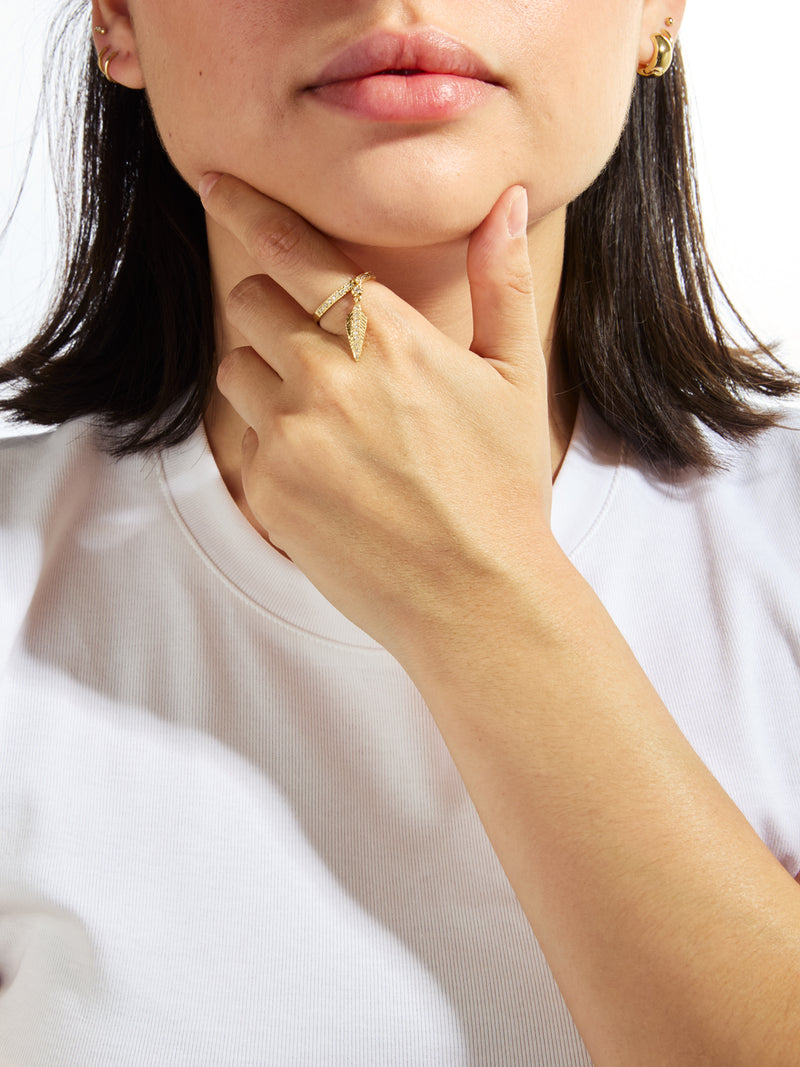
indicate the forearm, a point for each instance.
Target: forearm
{"x":671,"y":930}
{"x":663,"y":917}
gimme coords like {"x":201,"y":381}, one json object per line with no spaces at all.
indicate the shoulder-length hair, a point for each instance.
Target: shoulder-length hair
{"x":130,"y":338}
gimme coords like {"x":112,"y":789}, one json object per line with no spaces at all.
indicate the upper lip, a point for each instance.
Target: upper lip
{"x":425,"y":50}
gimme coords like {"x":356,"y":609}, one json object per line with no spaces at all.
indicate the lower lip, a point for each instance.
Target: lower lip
{"x":405,"y":98}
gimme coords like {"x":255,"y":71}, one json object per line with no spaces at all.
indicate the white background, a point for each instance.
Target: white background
{"x":744,"y":84}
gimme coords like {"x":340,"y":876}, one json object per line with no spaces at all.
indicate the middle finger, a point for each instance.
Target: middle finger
{"x":275,"y":325}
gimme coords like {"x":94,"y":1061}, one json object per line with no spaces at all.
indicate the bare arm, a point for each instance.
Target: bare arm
{"x":673,"y":933}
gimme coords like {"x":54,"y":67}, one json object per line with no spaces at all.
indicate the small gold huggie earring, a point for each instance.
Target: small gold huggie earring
{"x":103,"y":63}
{"x":661,"y":60}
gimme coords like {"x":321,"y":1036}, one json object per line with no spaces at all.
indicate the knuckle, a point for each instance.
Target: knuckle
{"x":230,"y":368}
{"x":520,"y":280}
{"x":515,"y":276}
{"x":499,"y":274}
{"x":244,"y":297}
{"x":280,"y":243}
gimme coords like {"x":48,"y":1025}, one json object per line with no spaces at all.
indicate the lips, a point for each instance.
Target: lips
{"x":422,"y":76}
{"x":424,"y":51}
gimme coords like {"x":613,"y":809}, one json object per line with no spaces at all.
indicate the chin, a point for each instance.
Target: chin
{"x":402,"y":193}
{"x":378,"y":232}
{"x":399,"y":218}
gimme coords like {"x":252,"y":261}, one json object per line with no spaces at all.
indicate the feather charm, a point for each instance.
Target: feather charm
{"x":356,"y":328}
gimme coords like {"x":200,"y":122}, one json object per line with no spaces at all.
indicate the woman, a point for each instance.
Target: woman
{"x":334,"y":730}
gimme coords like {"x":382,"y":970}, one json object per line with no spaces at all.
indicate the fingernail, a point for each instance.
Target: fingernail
{"x":207,"y":183}
{"x":517,"y":217}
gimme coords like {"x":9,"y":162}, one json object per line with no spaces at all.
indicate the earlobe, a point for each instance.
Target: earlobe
{"x":117,"y":53}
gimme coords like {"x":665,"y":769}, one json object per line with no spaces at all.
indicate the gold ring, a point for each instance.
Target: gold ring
{"x":356,"y":320}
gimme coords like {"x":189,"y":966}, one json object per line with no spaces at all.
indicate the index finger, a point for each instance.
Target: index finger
{"x":284,"y":245}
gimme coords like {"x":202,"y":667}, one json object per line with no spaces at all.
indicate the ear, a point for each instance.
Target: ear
{"x":654,"y":20}
{"x":114,"y":17}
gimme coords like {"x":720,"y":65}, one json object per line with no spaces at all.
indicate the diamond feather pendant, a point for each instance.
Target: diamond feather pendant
{"x":356,"y":326}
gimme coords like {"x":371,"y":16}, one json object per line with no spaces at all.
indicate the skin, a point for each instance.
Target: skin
{"x":673,"y":933}
{"x":408,"y":222}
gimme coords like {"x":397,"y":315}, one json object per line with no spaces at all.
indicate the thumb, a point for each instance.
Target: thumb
{"x":504,"y":327}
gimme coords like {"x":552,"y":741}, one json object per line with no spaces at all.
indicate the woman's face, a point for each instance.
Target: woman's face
{"x":538,"y":97}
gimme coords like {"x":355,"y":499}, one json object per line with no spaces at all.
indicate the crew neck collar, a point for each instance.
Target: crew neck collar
{"x":238,"y":555}
{"x":585,"y":484}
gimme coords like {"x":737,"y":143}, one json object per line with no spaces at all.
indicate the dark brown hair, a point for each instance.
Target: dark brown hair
{"x":130,"y":340}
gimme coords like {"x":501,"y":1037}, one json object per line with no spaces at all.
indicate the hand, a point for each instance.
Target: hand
{"x":413,"y":489}
{"x":404,"y":483}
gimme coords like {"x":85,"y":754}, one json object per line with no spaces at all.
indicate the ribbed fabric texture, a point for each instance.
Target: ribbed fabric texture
{"x":230,"y":832}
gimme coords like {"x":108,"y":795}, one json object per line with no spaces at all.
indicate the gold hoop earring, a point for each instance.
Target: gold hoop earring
{"x":661,"y":59}
{"x":103,"y":63}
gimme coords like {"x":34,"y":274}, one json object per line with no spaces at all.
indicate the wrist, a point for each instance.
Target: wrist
{"x":491,"y":623}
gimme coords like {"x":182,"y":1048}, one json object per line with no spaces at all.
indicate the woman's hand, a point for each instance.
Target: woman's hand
{"x":400,"y":483}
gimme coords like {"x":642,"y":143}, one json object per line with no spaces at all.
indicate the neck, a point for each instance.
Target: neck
{"x":433,"y":280}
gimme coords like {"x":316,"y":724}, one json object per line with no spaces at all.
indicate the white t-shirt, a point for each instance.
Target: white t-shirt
{"x":230,"y":832}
